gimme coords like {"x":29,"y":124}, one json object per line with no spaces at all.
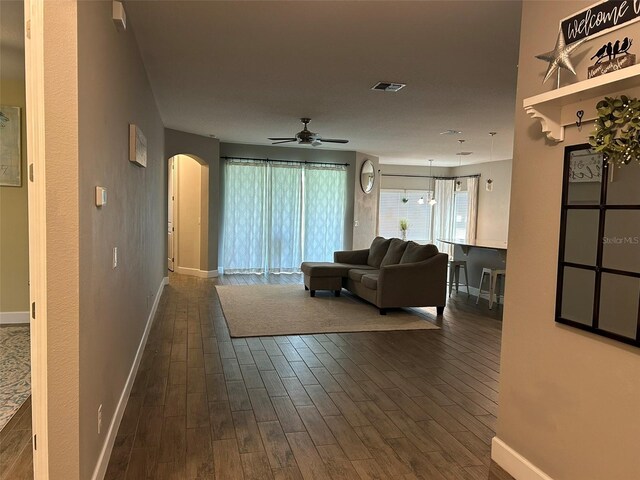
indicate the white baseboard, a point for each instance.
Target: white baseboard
{"x":11,"y":318}
{"x":515,"y":464}
{"x":105,"y":454}
{"x":194,"y":272}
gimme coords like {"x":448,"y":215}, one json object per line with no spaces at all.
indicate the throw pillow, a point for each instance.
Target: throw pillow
{"x":377,"y":251}
{"x":418,"y":253}
{"x":394,"y":253}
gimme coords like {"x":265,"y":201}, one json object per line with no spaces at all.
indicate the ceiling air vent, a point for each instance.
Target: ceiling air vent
{"x":451,"y":132}
{"x":388,"y":86}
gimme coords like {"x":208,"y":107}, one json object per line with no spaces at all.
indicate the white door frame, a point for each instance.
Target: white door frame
{"x":173,"y":175}
{"x":34,"y":67}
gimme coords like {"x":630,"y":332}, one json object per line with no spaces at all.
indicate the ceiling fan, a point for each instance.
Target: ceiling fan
{"x":306,"y":137}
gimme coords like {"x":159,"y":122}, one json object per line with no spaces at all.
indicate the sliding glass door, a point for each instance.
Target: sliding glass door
{"x":278,"y":214}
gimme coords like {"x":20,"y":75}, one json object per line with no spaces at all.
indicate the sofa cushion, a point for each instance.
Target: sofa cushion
{"x":328,"y":269}
{"x":418,"y":253}
{"x":370,"y":280}
{"x":394,"y":253}
{"x":356,"y":274}
{"x":377,"y":251}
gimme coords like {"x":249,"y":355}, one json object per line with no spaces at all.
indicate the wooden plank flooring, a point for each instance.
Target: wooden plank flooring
{"x":16,"y":462}
{"x":406,"y":405}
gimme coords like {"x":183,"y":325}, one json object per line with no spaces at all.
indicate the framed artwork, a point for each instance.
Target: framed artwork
{"x":10,"y":155}
{"x":137,"y":146}
{"x":585,"y":166}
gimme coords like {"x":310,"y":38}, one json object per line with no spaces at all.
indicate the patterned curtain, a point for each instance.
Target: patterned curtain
{"x":284,"y":238}
{"x":472,"y":212}
{"x":325,"y":202}
{"x":443,"y":214}
{"x":244,"y":222}
{"x":276,"y":215}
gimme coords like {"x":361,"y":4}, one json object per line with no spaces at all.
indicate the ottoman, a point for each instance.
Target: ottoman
{"x":324,"y":276}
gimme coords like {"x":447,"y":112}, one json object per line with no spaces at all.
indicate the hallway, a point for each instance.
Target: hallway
{"x":363,"y":405}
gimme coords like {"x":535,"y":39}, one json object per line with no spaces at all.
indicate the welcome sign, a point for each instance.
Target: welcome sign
{"x":599,"y":18}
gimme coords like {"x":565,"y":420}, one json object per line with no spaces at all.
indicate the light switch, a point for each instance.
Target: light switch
{"x":101,"y":196}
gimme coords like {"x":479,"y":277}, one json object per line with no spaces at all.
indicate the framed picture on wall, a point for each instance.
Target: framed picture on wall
{"x":137,"y":146}
{"x":10,"y":138}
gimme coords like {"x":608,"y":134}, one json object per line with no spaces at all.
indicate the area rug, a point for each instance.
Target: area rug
{"x":15,"y":370}
{"x":264,"y":310}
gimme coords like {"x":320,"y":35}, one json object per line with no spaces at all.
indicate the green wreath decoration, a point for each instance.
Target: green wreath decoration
{"x":617,"y":130}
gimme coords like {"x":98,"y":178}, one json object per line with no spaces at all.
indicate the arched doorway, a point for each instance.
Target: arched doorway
{"x":187,"y":212}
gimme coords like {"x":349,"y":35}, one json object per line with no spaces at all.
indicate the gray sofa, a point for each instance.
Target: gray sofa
{"x":391,"y":273}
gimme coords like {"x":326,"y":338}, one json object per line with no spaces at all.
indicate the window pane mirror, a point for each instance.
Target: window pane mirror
{"x":598,"y":285}
{"x":367,"y":176}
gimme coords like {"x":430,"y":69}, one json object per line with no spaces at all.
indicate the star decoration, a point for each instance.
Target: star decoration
{"x":559,"y":56}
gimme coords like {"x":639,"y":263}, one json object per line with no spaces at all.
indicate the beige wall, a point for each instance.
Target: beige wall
{"x":14,"y":228}
{"x":60,"y":68}
{"x":188,"y":203}
{"x":568,"y":399}
{"x":207,"y":152}
{"x":304,"y":154}
{"x":365,"y":206}
{"x":113,"y":91}
{"x":493,"y":206}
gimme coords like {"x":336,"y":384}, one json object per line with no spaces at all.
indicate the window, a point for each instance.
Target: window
{"x":460,"y":215}
{"x":277,"y":215}
{"x":403,"y":204}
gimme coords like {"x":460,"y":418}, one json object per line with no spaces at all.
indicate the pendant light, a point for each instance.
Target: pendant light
{"x":489,"y":184}
{"x":432,"y":202}
{"x":459,"y":154}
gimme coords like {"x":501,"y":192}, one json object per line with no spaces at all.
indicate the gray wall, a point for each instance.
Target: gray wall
{"x":113,"y":91}
{"x":304,"y":154}
{"x":409,"y":183}
{"x":493,"y":206}
{"x":365,"y":206}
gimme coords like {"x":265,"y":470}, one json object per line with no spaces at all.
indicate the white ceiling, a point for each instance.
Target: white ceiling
{"x":244,"y":71}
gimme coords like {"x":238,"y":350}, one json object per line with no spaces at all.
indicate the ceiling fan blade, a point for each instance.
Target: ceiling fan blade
{"x":284,"y":141}
{"x":283,"y":138}
{"x":333,"y":140}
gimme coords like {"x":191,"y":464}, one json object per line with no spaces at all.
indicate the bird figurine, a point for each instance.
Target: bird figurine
{"x":626,"y":45}
{"x":600,"y":54}
{"x":616,"y":48}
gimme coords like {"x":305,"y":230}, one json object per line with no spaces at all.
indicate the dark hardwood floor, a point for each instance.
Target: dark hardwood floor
{"x":16,"y":461}
{"x":406,"y":405}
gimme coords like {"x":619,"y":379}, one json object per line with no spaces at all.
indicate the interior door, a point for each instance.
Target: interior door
{"x":170,"y":226}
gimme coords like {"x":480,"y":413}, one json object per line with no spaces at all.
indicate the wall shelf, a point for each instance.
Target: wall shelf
{"x":557,"y":108}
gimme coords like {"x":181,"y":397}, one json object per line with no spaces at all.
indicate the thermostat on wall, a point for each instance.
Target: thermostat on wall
{"x":101,"y":196}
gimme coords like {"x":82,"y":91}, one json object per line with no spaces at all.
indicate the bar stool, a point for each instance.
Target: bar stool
{"x":494,"y":275}
{"x":454,"y":273}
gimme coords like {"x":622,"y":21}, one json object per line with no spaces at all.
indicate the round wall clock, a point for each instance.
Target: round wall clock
{"x":367,"y":176}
